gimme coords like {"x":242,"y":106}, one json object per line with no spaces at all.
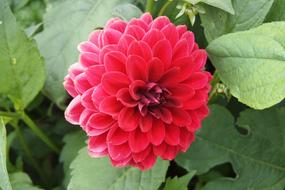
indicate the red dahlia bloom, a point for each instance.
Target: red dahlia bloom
{"x":139,"y":90}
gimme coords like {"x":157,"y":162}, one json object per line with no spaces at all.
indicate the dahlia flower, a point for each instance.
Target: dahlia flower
{"x":139,"y":90}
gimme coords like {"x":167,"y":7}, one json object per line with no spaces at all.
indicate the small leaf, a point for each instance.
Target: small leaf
{"x":180,"y":183}
{"x":225,"y":5}
{"x":252,"y":64}
{"x":21,"y":181}
{"x":88,"y":173}
{"x":248,"y":14}
{"x":127,"y":11}
{"x":258,"y":158}
{"x":4,"y":177}
{"x":22,"y":67}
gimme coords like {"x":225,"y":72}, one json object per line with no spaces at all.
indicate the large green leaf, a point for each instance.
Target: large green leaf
{"x":248,"y":14}
{"x":180,"y":183}
{"x":21,"y":181}
{"x":277,"y":11}
{"x":225,"y":5}
{"x":22,"y":68}
{"x":258,"y":158}
{"x":98,"y":174}
{"x":65,"y":26}
{"x":73,"y":143}
{"x":252,"y":64}
{"x":4,"y":177}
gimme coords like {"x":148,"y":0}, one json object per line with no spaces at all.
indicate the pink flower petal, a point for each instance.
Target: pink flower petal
{"x":125,"y":98}
{"x":157,"y":133}
{"x":147,"y":18}
{"x":110,"y":105}
{"x":138,"y":141}
{"x":160,"y":22}
{"x":163,"y":51}
{"x":136,"y":68}
{"x":111,"y":36}
{"x":180,"y":117}
{"x":74,"y":110}
{"x":128,"y":119}
{"x":146,"y":123}
{"x":86,"y":99}
{"x":156,"y":68}
{"x":94,"y":74}
{"x":124,"y":43}
{"x":135,"y":31}
{"x":98,"y":124}
{"x":170,"y":33}
{"x":97,"y":143}
{"x":119,"y":152}
{"x":152,"y":37}
{"x":113,"y":81}
{"x":115,"y":61}
{"x":172,"y":134}
{"x":141,"y":156}
{"x":140,"y":48}
{"x":117,"y":136}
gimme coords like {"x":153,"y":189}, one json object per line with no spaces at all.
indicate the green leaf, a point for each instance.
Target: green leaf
{"x":4,"y":177}
{"x":73,"y":143}
{"x":127,"y":11}
{"x":61,"y":36}
{"x":21,"y":181}
{"x":258,"y":158}
{"x":22,"y":67}
{"x":180,"y":183}
{"x":248,"y":14}
{"x":252,"y":64}
{"x":277,"y":12}
{"x":225,"y":5}
{"x":88,"y":173}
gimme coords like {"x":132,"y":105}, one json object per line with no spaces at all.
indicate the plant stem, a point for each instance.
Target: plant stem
{"x":39,"y":133}
{"x":29,"y":153}
{"x":149,"y":5}
{"x":9,"y":114}
{"x":162,"y":10}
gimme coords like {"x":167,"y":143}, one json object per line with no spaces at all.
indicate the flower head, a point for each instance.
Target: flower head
{"x":139,"y":90}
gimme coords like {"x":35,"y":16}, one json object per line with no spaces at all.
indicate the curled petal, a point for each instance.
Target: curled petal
{"x":74,"y":110}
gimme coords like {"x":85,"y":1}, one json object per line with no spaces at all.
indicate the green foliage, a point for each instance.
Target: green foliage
{"x":247,"y":14}
{"x":60,"y":37}
{"x":126,"y":11}
{"x":236,"y":149}
{"x":73,"y":143}
{"x":277,"y":12}
{"x":251,"y":64}
{"x":21,"y":181}
{"x":179,"y":183}
{"x":257,"y":157}
{"x":88,"y":173}
{"x":225,"y":5}
{"x":22,"y":68}
{"x":4,"y":177}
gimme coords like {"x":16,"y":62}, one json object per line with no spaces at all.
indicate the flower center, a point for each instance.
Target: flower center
{"x":152,"y":96}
